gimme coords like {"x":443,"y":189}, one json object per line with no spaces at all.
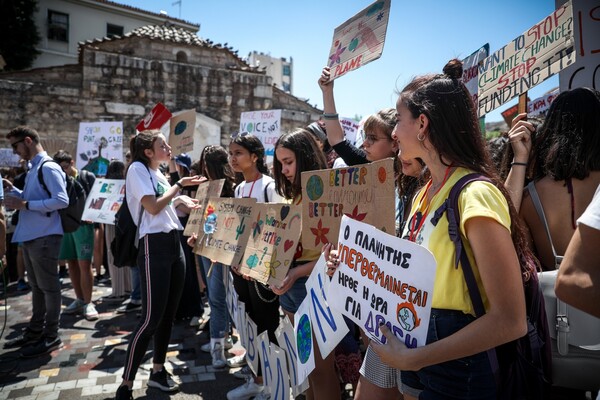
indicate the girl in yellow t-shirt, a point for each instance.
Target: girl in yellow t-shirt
{"x":436,"y":122}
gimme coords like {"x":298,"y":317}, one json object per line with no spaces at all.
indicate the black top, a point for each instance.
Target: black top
{"x":350,"y":154}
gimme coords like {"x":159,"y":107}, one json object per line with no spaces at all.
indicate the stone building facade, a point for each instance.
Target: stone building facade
{"x":122,"y":78}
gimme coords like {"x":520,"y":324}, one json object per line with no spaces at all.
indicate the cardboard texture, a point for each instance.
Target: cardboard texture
{"x":181,"y":132}
{"x":205,"y":191}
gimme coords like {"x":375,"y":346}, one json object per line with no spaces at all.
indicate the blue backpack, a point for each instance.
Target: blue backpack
{"x":523,"y":367}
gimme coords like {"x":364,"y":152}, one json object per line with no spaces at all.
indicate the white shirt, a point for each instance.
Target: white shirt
{"x":591,"y":215}
{"x":140,"y":182}
{"x":256,"y":190}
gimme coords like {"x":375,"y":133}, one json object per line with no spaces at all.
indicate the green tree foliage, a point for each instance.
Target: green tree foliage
{"x":19,"y":34}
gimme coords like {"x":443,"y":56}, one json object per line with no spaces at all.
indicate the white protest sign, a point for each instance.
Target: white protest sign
{"x":8,"y":158}
{"x":265,"y":125}
{"x":471,"y":70}
{"x":304,"y":341}
{"x":531,"y":58}
{"x":285,"y":338}
{"x":585,"y":72}
{"x":252,"y":345}
{"x":280,"y":388}
{"x":104,"y":200}
{"x":265,"y":359}
{"x":328,"y":325}
{"x":350,"y":127}
{"x":541,"y":105}
{"x":98,"y":143}
{"x":383,"y":279}
{"x":359,"y":40}
{"x":240,"y":320}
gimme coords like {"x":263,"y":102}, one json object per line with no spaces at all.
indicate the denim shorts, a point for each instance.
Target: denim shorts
{"x":291,"y":300}
{"x":465,"y":378}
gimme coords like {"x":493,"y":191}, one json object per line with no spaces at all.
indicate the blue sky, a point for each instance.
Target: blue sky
{"x":421,"y":37}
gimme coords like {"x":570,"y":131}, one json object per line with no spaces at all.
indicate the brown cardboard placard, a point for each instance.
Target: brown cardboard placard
{"x":205,"y":191}
{"x":273,"y":241}
{"x":181,"y":132}
{"x":363,"y":192}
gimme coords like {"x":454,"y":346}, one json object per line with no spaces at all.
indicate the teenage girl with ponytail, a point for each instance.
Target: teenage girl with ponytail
{"x":160,"y":257}
{"x":437,"y":122}
{"x":247,"y":157}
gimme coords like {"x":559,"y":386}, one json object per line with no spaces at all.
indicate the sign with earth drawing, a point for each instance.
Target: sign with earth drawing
{"x":274,"y":236}
{"x":181,"y":133}
{"x":98,"y":143}
{"x":359,"y":40}
{"x":362,"y":192}
{"x":205,"y":191}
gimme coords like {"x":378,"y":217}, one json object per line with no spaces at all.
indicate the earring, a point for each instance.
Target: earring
{"x":420,"y":137}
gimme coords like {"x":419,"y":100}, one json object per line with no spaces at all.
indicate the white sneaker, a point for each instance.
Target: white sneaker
{"x":89,"y":312}
{"x":218,"y":357}
{"x":74,"y":307}
{"x":246,"y":391}
{"x":207,"y":349}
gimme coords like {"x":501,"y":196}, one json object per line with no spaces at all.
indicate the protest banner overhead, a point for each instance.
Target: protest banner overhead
{"x":181,"y":132}
{"x":265,"y":125}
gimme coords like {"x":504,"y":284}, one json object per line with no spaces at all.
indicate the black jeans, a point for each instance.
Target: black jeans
{"x":162,"y":273}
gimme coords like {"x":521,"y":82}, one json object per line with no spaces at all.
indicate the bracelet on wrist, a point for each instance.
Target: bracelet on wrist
{"x":178,"y":183}
{"x":330,"y":116}
{"x":512,"y":164}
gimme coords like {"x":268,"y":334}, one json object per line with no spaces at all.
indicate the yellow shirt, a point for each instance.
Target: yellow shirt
{"x":478,"y":199}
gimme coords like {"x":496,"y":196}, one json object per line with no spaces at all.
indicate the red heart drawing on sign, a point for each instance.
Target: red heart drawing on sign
{"x":287,"y":245}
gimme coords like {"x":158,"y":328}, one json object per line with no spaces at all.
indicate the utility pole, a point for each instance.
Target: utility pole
{"x":177,"y":2}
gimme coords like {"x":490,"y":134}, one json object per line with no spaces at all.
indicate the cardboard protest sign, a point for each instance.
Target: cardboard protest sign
{"x":304,"y":342}
{"x":98,"y":143}
{"x":359,"y":40}
{"x":272,"y":243}
{"x":280,"y":387}
{"x":328,"y":325}
{"x":383,"y":279}
{"x":104,"y":200}
{"x":156,"y":118}
{"x":350,"y":127}
{"x":181,"y":132}
{"x":540,"y":52}
{"x":226,"y":229}
{"x":265,"y":125}
{"x":541,"y":105}
{"x":584,"y":72}
{"x":471,"y":70}
{"x":205,"y":191}
{"x":363,"y":192}
{"x":8,"y":158}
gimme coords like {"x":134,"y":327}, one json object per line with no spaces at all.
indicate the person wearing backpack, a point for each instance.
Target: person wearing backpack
{"x":151,"y":201}
{"x":436,"y":122}
{"x":77,"y":247}
{"x":40,"y":230}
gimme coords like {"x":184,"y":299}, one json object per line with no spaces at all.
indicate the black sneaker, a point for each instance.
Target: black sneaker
{"x":124,"y":393}
{"x":43,"y":346}
{"x":27,"y":337}
{"x":163,"y":380}
{"x":129,"y":307}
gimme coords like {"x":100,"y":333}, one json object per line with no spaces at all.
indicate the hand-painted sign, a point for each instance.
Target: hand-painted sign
{"x":383,"y":279}
{"x":359,"y":40}
{"x":226,"y":229}
{"x":274,"y":236}
{"x":540,"y":52}
{"x":265,"y":125}
{"x":98,"y":143}
{"x":304,"y":341}
{"x":104,"y":200}
{"x":181,"y":133}
{"x":205,"y":191}
{"x":363,"y":192}
{"x":471,"y":70}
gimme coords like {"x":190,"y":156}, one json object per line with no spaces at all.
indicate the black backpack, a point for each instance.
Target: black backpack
{"x":70,"y":216}
{"x":523,"y":367}
{"x":124,"y":246}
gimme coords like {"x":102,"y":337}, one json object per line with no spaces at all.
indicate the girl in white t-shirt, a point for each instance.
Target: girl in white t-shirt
{"x":160,"y":258}
{"x":247,"y":157}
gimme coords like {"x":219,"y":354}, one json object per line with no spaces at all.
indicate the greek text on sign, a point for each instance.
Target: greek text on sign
{"x":359,"y":40}
{"x":383,"y":279}
{"x":540,"y":52}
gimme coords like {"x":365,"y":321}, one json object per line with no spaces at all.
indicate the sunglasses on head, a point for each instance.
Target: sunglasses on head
{"x":239,"y":134}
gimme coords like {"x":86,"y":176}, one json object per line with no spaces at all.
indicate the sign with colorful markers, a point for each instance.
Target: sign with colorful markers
{"x":205,"y":191}
{"x":104,"y":200}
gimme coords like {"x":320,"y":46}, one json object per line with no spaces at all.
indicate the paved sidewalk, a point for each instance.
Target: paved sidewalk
{"x":90,"y":363}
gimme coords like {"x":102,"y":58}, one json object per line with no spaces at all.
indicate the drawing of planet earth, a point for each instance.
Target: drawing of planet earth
{"x":304,"y":339}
